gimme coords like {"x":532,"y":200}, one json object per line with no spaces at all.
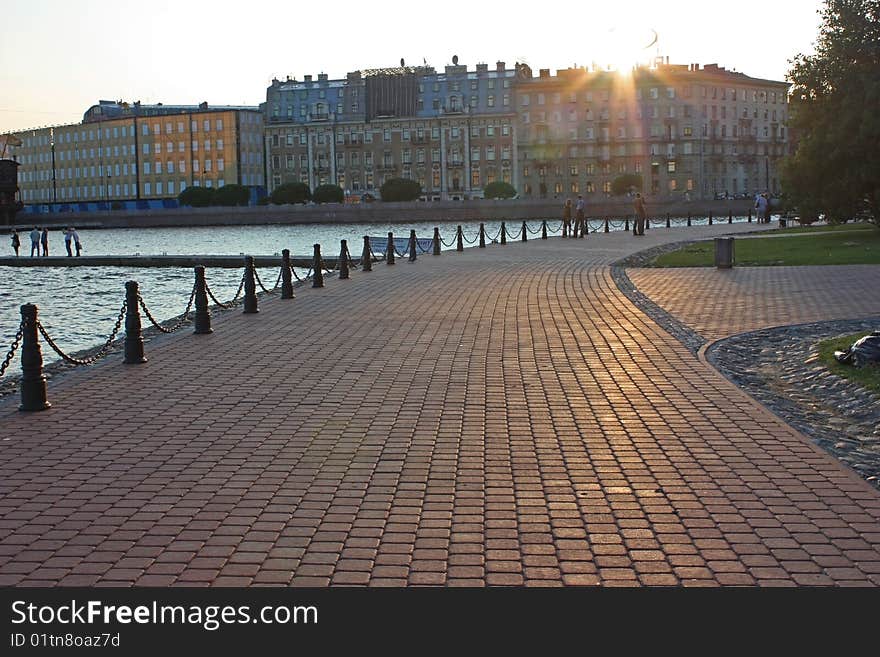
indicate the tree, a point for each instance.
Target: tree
{"x":400,"y":189}
{"x":499,"y":189}
{"x":196,"y":197}
{"x":328,"y":194}
{"x":834,"y":119}
{"x":295,"y":192}
{"x":231,"y":195}
{"x":625,"y":183}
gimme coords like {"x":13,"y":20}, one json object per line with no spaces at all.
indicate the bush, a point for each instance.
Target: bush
{"x":328,"y":194}
{"x":295,"y":192}
{"x":499,"y":190}
{"x":231,"y":195}
{"x":263,"y":201}
{"x":400,"y":189}
{"x":197,"y":197}
{"x":626,"y":183}
{"x":117,"y":205}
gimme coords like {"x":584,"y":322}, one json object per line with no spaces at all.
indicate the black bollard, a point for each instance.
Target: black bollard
{"x":250,"y":287}
{"x":730,"y":216}
{"x":134,"y":339}
{"x":750,"y":215}
{"x":389,"y":250}
{"x":202,"y":319}
{"x":318,"y":268}
{"x":585,"y":229}
{"x":525,"y":231}
{"x":482,"y":236}
{"x":607,"y":228}
{"x":668,"y":223}
{"x":689,"y":218}
{"x":710,"y":217}
{"x":367,"y":255}
{"x":503,"y":233}
{"x":33,"y":381}
{"x":436,"y":241}
{"x":647,"y":223}
{"x":459,"y":240}
{"x":626,"y":225}
{"x":343,"y":259}
{"x":412,"y":246}
{"x":286,"y":278}
{"x":544,"y":229}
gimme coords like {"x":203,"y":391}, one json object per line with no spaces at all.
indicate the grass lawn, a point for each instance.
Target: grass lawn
{"x":869,"y":376}
{"x":824,"y":228}
{"x":829,"y":247}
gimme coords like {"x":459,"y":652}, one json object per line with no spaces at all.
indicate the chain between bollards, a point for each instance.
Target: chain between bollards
{"x":134,"y":338}
{"x":33,"y":381}
{"x":412,"y":246}
{"x":343,"y":259}
{"x":203,"y":315}
{"x":286,"y":278}
{"x":367,"y":255}
{"x":317,"y":267}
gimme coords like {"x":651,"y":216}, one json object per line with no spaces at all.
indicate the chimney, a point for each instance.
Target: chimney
{"x":322,"y":77}
{"x":482,"y":68}
{"x":307,"y":78}
{"x":544,"y":73}
{"x":499,"y":66}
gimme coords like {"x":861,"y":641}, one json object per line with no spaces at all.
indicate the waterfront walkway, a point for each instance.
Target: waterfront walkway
{"x":502,"y":416}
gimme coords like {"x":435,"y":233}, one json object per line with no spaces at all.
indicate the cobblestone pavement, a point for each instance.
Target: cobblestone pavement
{"x":502,"y":416}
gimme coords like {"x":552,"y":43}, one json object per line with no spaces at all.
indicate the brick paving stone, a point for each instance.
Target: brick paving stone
{"x":509,"y":418}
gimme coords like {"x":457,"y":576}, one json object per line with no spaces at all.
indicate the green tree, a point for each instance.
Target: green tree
{"x":625,"y":183}
{"x":499,"y":189}
{"x":231,"y":195}
{"x":328,"y":194}
{"x":400,"y":189}
{"x":196,"y":197}
{"x":295,"y":192}
{"x":834,"y":119}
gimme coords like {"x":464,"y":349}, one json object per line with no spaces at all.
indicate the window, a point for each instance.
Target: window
{"x":524,"y":100}
{"x":670,"y":166}
{"x":490,"y":101}
{"x":386,"y":134}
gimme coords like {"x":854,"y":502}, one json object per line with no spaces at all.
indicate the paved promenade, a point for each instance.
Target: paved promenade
{"x":498,"y":417}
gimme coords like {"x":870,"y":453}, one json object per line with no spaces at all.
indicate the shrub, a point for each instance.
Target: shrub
{"x":328,"y":194}
{"x":626,"y":183}
{"x":197,"y":197}
{"x":400,"y":189}
{"x":499,"y":189}
{"x":295,"y":192}
{"x":231,"y":195}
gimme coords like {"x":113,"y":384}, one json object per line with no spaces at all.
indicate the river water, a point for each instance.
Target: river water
{"x":79,"y":305}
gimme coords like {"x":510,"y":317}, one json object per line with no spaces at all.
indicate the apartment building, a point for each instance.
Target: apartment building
{"x":139,"y":155}
{"x":685,"y":129}
{"x":452,"y":131}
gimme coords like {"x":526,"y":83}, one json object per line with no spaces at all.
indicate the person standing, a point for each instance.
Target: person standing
{"x":16,"y":242}
{"x":766,"y":196}
{"x":566,"y":217}
{"x":761,"y":208}
{"x":35,"y":241}
{"x":641,"y":215}
{"x":68,"y":236}
{"x":44,"y":240}
{"x":76,"y":241}
{"x":579,"y":224}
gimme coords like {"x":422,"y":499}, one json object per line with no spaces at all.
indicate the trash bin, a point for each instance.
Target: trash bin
{"x":724,"y":252}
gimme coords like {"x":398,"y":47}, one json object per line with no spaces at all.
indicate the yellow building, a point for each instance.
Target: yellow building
{"x":139,"y":156}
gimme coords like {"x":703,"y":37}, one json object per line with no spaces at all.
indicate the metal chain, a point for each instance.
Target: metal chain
{"x":183,"y":317}
{"x":555,"y":230}
{"x":452,"y":243}
{"x":260,"y":283}
{"x":533,"y":232}
{"x":12,"y":349}
{"x":94,"y":357}
{"x":497,"y":236}
{"x":467,"y":241}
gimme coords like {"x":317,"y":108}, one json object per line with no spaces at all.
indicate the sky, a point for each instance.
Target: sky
{"x":59,"y":57}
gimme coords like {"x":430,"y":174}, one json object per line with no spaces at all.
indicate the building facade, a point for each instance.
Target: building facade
{"x":688,"y":130}
{"x":138,"y":155}
{"x":453,"y":132}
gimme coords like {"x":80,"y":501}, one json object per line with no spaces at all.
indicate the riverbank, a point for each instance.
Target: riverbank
{"x":333,"y":213}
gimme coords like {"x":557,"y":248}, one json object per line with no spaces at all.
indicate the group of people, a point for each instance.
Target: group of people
{"x":581,"y":227}
{"x":40,"y":241}
{"x":762,"y":208}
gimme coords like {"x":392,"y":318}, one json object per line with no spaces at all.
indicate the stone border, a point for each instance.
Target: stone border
{"x":779,"y":368}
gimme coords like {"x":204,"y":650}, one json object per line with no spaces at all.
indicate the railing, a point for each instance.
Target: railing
{"x":198,"y":313}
